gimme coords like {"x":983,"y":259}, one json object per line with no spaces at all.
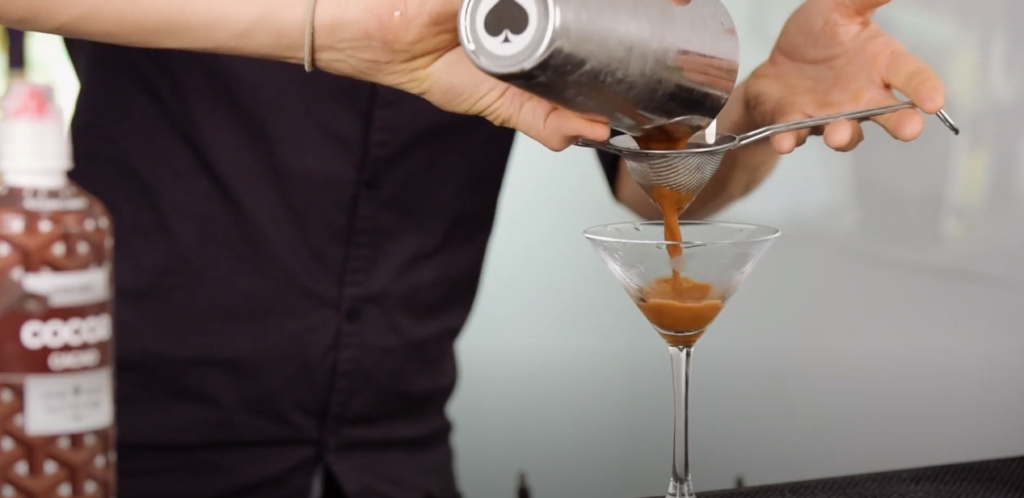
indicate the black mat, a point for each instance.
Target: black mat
{"x":989,"y":479}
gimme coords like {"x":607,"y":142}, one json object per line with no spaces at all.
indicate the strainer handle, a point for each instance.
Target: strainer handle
{"x":594,"y":144}
{"x":769,"y":131}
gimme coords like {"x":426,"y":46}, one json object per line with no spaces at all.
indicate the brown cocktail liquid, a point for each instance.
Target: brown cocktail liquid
{"x":679,"y":307}
{"x":671,"y":202}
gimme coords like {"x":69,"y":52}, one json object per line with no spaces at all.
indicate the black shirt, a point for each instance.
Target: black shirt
{"x":296,"y":254}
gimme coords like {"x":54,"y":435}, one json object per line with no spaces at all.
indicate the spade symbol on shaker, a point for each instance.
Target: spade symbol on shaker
{"x":506,"y":16}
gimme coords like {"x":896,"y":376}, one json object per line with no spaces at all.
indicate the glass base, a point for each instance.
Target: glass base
{"x":680,"y":490}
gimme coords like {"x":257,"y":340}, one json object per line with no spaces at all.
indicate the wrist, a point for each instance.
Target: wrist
{"x":357,"y":38}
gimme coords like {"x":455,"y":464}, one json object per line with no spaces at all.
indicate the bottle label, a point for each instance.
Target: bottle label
{"x":50,"y":204}
{"x":57,"y":404}
{"x":56,"y":395}
{"x":57,"y":341}
{"x":506,"y":27}
{"x":69,"y":288}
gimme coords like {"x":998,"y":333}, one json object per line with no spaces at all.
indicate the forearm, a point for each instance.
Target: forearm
{"x":742,"y":169}
{"x":271,"y":29}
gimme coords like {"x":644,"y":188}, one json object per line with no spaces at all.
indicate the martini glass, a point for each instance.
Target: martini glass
{"x":716,"y":259}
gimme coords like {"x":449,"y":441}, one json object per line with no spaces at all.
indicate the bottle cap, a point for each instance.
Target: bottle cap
{"x":34,"y":148}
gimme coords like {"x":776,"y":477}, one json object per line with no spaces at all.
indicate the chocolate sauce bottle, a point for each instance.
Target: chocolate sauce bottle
{"x":56,"y":334}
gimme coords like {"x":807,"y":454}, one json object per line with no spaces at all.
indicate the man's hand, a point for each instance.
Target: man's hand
{"x":414,"y":46}
{"x":832,"y":57}
{"x":411,"y":45}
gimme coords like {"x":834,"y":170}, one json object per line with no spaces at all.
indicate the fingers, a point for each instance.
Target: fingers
{"x":564,"y":127}
{"x":597,"y":118}
{"x":474,"y":93}
{"x":865,"y":7}
{"x":784,"y":143}
{"x":905,"y":125}
{"x":844,"y":136}
{"x":915,"y":79}
{"x":554,"y":127}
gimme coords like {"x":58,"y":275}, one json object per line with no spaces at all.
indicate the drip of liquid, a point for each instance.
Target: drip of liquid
{"x":679,"y":307}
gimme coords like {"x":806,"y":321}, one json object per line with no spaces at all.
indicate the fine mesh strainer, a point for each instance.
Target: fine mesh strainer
{"x":689,"y":170}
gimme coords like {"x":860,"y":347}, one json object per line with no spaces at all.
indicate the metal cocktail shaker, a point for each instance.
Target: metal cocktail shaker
{"x":642,"y":64}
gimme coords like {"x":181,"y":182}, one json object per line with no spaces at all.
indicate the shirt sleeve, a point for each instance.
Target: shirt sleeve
{"x":610,"y":164}
{"x":16,"y":49}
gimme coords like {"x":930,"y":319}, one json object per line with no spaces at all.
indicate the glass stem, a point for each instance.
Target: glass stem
{"x":681,"y":485}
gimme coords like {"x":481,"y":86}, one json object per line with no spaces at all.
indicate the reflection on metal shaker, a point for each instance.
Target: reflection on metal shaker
{"x":641,"y":64}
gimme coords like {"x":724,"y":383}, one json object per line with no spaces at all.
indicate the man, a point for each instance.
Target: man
{"x":297,"y":252}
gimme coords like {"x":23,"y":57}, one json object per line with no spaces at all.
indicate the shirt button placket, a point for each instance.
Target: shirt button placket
{"x":355,"y":273}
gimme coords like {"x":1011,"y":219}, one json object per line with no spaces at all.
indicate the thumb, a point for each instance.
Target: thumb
{"x":554,"y":127}
{"x":865,"y":7}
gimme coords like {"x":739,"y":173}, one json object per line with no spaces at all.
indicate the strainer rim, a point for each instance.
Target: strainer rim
{"x":711,"y":149}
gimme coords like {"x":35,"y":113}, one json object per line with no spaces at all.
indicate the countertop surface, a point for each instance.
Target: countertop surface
{"x":987,"y":479}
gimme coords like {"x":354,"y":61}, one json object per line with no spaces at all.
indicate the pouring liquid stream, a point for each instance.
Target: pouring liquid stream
{"x":680,"y":308}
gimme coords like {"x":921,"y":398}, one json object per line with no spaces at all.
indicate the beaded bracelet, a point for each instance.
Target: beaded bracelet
{"x":310,"y":16}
